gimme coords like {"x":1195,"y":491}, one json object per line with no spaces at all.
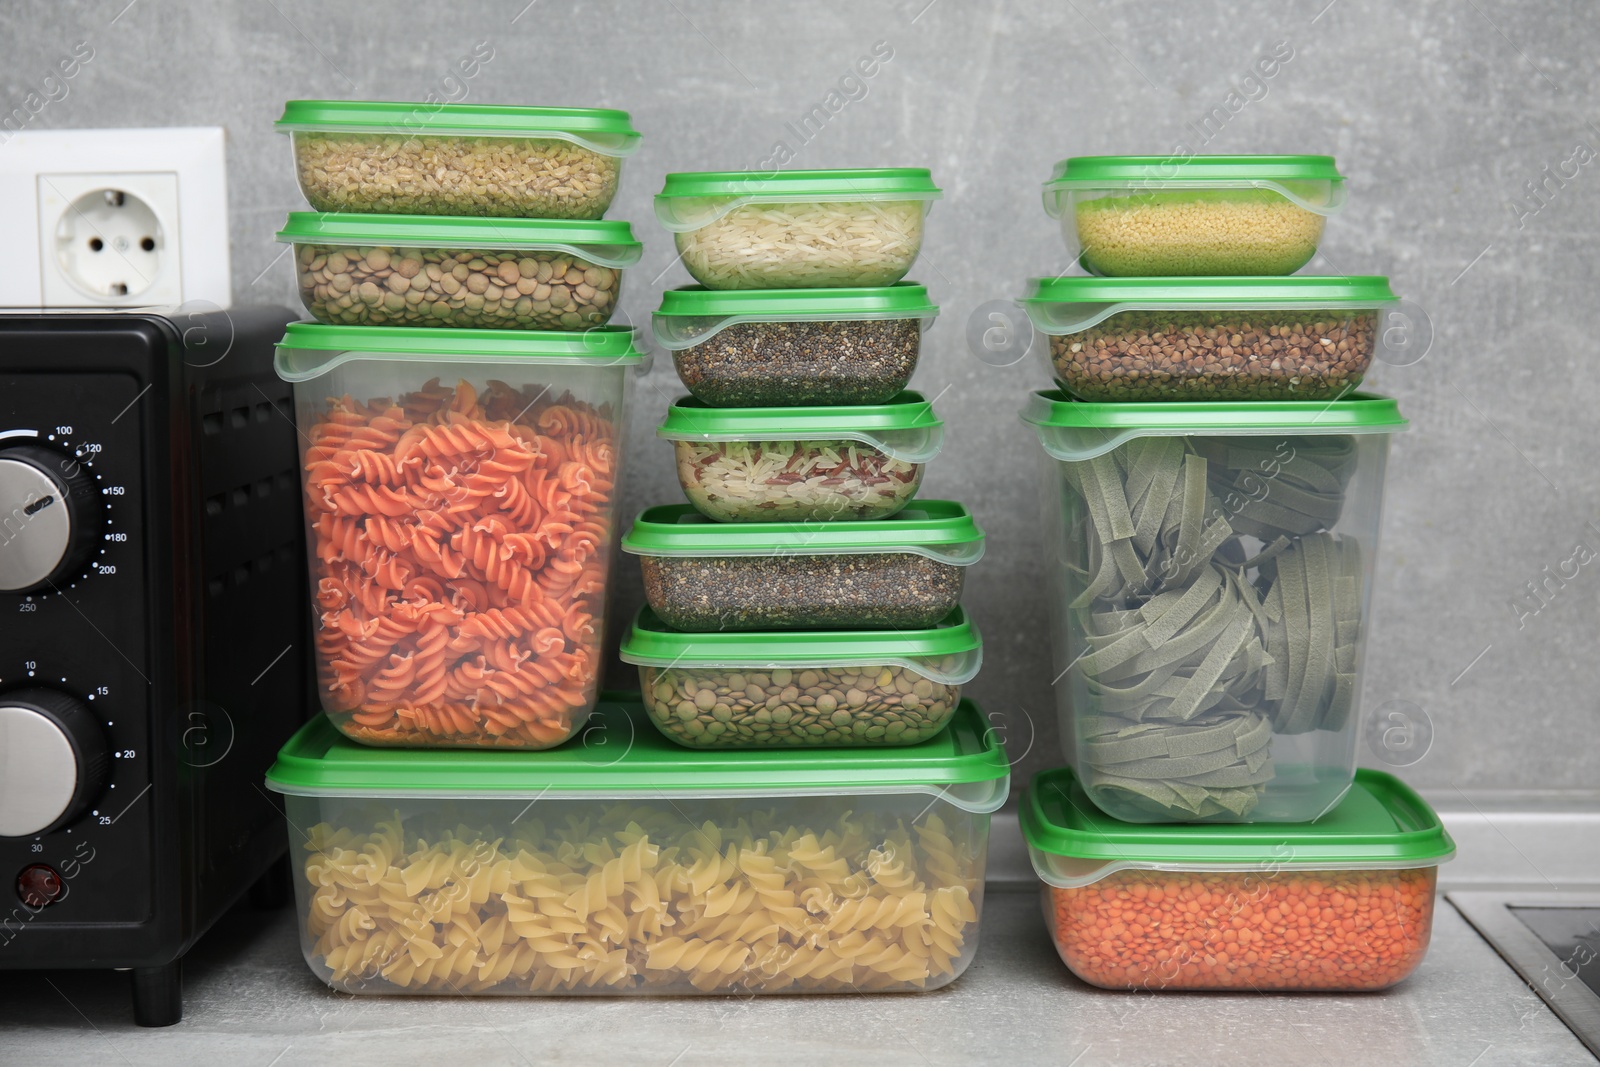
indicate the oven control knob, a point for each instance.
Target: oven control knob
{"x":48,"y":513}
{"x":53,"y":761}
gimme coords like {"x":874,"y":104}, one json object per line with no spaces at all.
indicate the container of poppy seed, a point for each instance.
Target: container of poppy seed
{"x":796,"y":689}
{"x":794,"y":347}
{"x":903,"y":572}
{"x":1144,"y":339}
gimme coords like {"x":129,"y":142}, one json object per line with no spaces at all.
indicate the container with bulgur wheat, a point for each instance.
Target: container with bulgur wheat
{"x":794,"y":464}
{"x":903,"y":572}
{"x":784,"y":347}
{"x":808,"y":688}
{"x":1200,"y":215}
{"x":1301,"y":338}
{"x":458,"y":159}
{"x":411,"y":270}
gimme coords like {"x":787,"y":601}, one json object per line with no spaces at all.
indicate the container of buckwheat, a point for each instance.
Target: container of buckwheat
{"x":1195,"y":339}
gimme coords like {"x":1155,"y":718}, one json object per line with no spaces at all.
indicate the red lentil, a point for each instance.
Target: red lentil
{"x":1283,"y":930}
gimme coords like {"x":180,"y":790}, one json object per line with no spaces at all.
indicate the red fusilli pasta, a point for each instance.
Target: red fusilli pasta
{"x":460,"y":548}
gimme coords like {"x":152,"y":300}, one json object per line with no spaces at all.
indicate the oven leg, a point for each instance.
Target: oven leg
{"x":158,"y":994}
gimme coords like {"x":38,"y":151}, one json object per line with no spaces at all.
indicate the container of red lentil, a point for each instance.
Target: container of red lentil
{"x":1143,"y":339}
{"x":1201,"y":215}
{"x":1342,"y":904}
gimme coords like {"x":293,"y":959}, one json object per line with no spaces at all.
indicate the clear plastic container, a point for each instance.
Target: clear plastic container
{"x":900,"y":573}
{"x":798,"y":229}
{"x":460,"y":493}
{"x":622,"y":863}
{"x":1211,"y":570}
{"x":1343,"y":904}
{"x":1307,"y":338}
{"x":787,"y":347}
{"x":812,"y":688}
{"x":507,"y":274}
{"x":458,"y":159}
{"x":1195,"y":215}
{"x":802,"y":464}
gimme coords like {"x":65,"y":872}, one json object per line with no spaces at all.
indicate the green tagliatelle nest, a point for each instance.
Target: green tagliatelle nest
{"x":1197,"y":653}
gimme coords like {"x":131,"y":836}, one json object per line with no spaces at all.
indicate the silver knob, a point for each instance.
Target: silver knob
{"x":46,"y":517}
{"x":53,"y":761}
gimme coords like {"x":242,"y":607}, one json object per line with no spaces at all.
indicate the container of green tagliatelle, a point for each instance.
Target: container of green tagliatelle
{"x":1211,"y":580}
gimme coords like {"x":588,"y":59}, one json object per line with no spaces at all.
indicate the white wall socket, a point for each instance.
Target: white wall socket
{"x":116,"y":218}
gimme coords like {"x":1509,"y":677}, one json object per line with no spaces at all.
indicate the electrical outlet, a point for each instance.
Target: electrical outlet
{"x":121,"y":218}
{"x":104,"y":239}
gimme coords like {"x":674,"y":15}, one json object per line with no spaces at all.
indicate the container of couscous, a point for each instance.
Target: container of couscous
{"x":1145,"y":339}
{"x":796,"y":464}
{"x":1196,"y":215}
{"x":623,"y":863}
{"x":798,"y":229}
{"x":458,"y":159}
{"x":759,"y":347}
{"x":803,"y":688}
{"x":903,"y":572}
{"x":1342,"y":904}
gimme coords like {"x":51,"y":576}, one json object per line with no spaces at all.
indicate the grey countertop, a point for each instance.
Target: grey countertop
{"x":251,"y":1000}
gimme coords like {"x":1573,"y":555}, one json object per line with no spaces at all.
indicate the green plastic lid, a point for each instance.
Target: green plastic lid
{"x":1073,"y":303}
{"x":939,"y":529}
{"x":690,"y":315}
{"x":1076,"y":430}
{"x":905,"y":427}
{"x":620,"y":754}
{"x":690,"y":200}
{"x":1381,"y":824}
{"x":608,"y":243}
{"x":604,"y":130}
{"x":311,"y":349}
{"x":949,"y":653}
{"x":1313,"y":182}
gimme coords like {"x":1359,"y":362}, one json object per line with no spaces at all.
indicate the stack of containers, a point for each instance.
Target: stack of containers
{"x":806,"y":599}
{"x":1213,"y":500}
{"x":461,"y":401}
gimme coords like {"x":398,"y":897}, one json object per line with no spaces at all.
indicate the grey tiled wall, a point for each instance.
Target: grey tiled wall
{"x":1439,"y":112}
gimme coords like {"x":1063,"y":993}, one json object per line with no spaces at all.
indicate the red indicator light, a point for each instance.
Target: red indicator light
{"x":40,"y":885}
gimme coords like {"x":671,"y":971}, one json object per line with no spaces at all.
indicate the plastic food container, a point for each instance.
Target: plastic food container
{"x":1307,"y":338}
{"x":460,"y":487}
{"x":798,"y":229}
{"x":1211,"y":582}
{"x":801,"y":464}
{"x":458,"y":159}
{"x":1343,"y":904}
{"x":902,"y":573}
{"x":787,"y":347}
{"x":1204,"y":215}
{"x":802,"y":688}
{"x":622,"y":863}
{"x":508,"y":274}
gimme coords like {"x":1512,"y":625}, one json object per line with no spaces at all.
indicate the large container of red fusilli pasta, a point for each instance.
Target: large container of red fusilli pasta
{"x":460,"y":492}
{"x":624,"y":863}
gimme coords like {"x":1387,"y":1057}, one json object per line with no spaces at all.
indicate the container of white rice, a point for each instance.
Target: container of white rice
{"x":802,"y":464}
{"x":803,"y":229}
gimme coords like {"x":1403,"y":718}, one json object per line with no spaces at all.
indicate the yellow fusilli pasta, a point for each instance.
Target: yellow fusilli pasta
{"x":638,"y":897}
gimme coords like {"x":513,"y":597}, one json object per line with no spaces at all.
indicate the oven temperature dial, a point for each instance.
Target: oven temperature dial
{"x":53,"y":761}
{"x":48,"y":508}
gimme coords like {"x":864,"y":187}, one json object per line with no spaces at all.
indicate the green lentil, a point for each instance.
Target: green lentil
{"x":835,"y":706}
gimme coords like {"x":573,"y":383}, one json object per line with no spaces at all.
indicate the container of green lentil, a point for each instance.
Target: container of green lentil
{"x":478,"y":273}
{"x":1152,"y":339}
{"x":904,"y":572}
{"x":1200,"y":215}
{"x":781,"y":347}
{"x":799,"y":464}
{"x":795,"y":689}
